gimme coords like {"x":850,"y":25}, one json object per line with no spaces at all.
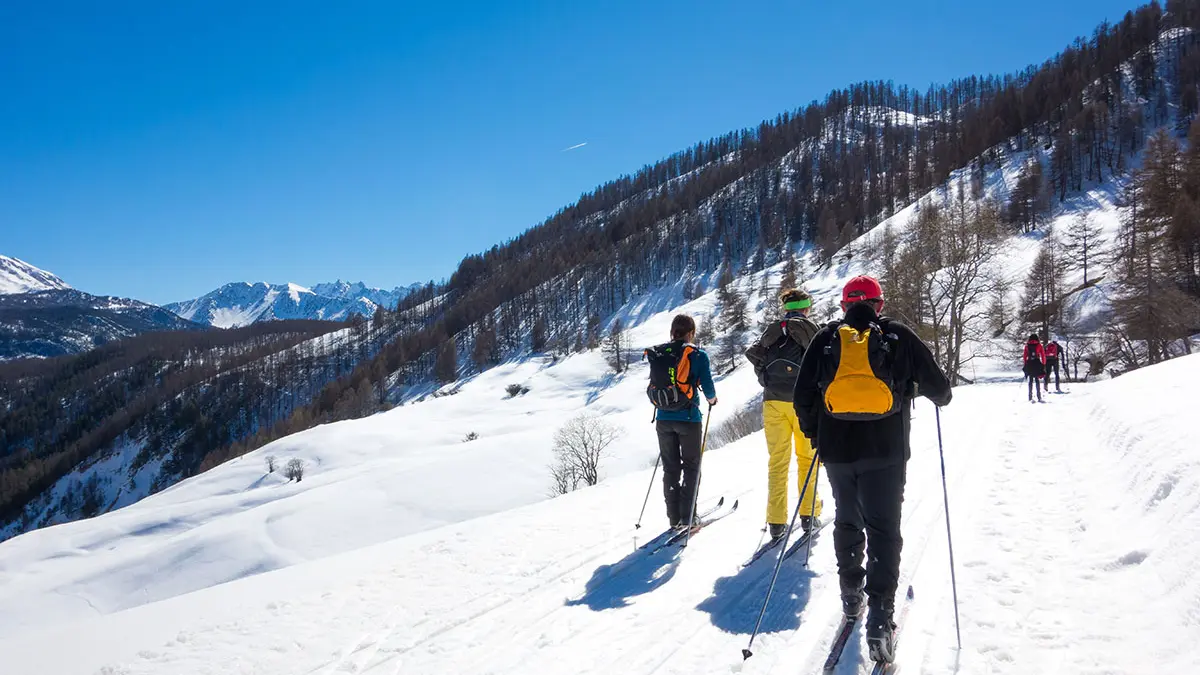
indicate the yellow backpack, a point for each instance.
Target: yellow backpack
{"x":862,"y":386}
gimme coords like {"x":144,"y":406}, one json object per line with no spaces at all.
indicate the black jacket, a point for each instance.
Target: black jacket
{"x":777,"y":360}
{"x":883,"y":441}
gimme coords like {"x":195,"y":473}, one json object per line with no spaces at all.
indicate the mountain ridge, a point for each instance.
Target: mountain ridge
{"x":18,"y":276}
{"x":59,"y":322}
{"x":241,"y":303}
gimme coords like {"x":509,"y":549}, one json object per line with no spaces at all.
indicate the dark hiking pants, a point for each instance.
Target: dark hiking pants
{"x":867,"y":525}
{"x":1052,"y":366}
{"x":1035,"y":382}
{"x":679,"y":449}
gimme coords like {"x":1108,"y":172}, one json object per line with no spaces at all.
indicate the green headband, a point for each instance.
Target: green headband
{"x":798,"y":304}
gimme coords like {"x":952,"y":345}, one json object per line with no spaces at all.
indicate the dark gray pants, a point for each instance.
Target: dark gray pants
{"x":1035,"y":382}
{"x":867,"y":525}
{"x":679,"y":449}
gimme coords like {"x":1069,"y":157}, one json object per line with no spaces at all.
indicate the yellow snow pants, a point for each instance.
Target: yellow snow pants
{"x":781,"y":427}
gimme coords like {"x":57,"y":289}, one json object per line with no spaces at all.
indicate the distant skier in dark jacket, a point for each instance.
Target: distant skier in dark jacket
{"x":865,"y":455}
{"x":1054,"y":354}
{"x":679,"y":431}
{"x":1034,"y":358}
{"x":776,"y":358}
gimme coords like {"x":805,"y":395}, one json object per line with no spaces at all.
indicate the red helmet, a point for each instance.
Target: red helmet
{"x":862,"y":288}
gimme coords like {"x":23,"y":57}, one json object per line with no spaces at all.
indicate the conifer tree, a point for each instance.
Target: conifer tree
{"x":1082,"y":244}
{"x":614,"y":347}
{"x":446,"y":366}
{"x":537,"y":336}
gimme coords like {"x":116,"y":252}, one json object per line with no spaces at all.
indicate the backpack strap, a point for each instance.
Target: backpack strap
{"x":783,"y":337}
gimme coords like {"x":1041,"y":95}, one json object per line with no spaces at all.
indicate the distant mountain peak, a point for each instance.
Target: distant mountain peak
{"x":242,"y":303}
{"x":18,"y":276}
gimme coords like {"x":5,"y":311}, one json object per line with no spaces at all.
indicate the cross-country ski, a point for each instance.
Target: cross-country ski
{"x":704,"y":521}
{"x":668,"y":536}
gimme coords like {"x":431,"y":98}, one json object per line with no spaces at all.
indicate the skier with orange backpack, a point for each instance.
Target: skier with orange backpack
{"x":679,"y":371}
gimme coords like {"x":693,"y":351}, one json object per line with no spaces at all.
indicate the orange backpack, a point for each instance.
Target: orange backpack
{"x":670,"y":385}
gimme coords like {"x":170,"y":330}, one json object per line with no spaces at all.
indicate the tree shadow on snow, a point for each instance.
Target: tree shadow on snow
{"x":736,"y":600}
{"x":638,"y":573}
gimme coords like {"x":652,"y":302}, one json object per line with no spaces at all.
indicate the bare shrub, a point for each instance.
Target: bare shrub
{"x":272,"y":462}
{"x":580,"y":446}
{"x":294,"y":470}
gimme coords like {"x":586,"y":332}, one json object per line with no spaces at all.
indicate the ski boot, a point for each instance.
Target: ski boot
{"x":777,"y":530}
{"x":682,"y":527}
{"x":881,"y":635}
{"x":853,"y":601}
{"x":808,"y":524}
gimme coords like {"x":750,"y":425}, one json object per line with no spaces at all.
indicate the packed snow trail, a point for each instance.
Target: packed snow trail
{"x":1076,"y":527}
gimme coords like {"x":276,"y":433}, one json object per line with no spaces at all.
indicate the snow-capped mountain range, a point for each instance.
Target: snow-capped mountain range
{"x":18,"y":276}
{"x":350,"y":291}
{"x":243,"y":303}
{"x":42,"y":316}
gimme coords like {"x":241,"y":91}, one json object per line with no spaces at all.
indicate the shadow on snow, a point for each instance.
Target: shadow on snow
{"x":638,"y":573}
{"x":736,"y":600}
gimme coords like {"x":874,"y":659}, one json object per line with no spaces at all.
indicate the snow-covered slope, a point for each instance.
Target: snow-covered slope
{"x":1077,"y":523}
{"x":18,"y":276}
{"x":241,"y":303}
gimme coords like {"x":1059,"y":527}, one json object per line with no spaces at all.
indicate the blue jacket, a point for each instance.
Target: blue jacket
{"x":701,"y":373}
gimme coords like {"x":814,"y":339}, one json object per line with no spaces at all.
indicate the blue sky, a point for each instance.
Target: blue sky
{"x":156,"y":150}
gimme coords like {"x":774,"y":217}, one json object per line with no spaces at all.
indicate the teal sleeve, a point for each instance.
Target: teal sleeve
{"x":704,"y":371}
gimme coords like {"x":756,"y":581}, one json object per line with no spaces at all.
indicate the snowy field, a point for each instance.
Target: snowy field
{"x":1077,"y":524}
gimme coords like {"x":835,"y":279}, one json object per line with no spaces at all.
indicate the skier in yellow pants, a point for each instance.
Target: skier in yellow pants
{"x":776,"y":358}
{"x":781,"y":426}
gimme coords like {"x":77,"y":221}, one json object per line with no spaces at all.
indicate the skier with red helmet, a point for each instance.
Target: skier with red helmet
{"x":853,"y":399}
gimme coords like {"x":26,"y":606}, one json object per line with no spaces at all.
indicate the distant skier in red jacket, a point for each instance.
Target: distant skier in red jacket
{"x":1054,"y":354}
{"x":1035,"y":365}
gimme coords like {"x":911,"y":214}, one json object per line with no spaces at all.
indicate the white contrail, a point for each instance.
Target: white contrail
{"x":574,"y":147}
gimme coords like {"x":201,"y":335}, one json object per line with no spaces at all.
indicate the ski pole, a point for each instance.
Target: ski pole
{"x":638,"y":524}
{"x":696,"y":490}
{"x":746,"y":653}
{"x":949,"y":540}
{"x":813,"y":511}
